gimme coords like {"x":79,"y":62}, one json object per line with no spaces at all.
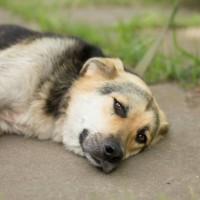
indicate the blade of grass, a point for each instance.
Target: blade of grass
{"x":142,"y":66}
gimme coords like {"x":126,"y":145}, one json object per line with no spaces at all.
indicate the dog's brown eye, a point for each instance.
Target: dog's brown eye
{"x":120,"y":109}
{"x":141,"y":137}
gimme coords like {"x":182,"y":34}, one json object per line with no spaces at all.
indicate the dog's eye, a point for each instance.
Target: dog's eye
{"x":141,"y":137}
{"x":120,"y":109}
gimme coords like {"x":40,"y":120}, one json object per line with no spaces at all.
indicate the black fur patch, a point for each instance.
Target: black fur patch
{"x":66,"y":72}
{"x":10,"y":35}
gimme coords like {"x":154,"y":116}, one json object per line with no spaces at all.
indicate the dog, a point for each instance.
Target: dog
{"x":65,"y":89}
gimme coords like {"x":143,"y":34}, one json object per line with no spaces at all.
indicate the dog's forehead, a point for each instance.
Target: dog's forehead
{"x":127,"y":89}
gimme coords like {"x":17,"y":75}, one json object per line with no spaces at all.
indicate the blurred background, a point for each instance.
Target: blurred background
{"x":124,"y":29}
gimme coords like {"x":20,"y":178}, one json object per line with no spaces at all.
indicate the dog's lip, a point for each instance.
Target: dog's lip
{"x":97,"y":160}
{"x":106,"y":166}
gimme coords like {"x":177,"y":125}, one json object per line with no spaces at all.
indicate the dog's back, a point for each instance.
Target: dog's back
{"x":11,"y":34}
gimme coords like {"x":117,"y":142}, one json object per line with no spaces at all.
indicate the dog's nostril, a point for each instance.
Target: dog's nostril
{"x":109,"y":150}
{"x":112,"y":151}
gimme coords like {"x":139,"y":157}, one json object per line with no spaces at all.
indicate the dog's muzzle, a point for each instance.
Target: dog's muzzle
{"x":106,"y":154}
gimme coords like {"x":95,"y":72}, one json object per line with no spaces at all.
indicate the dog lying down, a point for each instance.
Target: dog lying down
{"x":64,"y":89}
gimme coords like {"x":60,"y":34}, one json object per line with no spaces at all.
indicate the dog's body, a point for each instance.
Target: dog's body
{"x":64,"y":89}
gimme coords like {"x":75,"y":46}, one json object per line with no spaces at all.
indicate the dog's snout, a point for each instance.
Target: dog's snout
{"x":112,"y":151}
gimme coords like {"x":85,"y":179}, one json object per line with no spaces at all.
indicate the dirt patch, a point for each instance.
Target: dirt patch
{"x":187,"y":38}
{"x":193,"y":99}
{"x":7,"y":17}
{"x":109,"y":15}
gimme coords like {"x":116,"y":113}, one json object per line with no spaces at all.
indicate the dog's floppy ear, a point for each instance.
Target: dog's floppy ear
{"x":106,"y":67}
{"x":163,"y":127}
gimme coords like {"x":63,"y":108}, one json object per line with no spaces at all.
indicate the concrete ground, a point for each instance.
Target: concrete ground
{"x":42,"y":170}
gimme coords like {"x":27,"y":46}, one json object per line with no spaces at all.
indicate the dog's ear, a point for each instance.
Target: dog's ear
{"x":163,"y":127}
{"x":106,"y":67}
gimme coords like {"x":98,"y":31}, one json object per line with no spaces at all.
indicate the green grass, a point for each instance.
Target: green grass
{"x":1,"y":196}
{"x":127,"y":40}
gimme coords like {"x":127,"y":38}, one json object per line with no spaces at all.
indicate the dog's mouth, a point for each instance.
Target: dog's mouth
{"x":103,"y":165}
{"x":105,"y":155}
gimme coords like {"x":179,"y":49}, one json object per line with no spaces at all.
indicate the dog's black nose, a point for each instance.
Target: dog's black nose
{"x":112,"y":151}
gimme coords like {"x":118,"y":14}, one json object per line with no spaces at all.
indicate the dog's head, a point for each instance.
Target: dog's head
{"x":112,"y":114}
